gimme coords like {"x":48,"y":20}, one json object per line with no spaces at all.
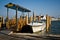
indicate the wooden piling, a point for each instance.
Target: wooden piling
{"x":26,"y":19}
{"x":39,"y":18}
{"x":7,"y":25}
{"x":1,"y":21}
{"x":34,"y":17}
{"x":48,"y":22}
{"x":0,"y":24}
{"x":30,"y":19}
{"x":20,"y":23}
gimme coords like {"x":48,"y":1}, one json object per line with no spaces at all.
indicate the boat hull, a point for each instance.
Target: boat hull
{"x":37,"y":26}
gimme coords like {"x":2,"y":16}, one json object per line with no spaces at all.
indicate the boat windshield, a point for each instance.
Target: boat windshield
{"x":37,"y":21}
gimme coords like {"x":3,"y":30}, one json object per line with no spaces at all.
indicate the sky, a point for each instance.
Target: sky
{"x":40,"y":7}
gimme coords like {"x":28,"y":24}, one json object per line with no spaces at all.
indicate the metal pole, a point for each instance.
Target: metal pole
{"x":28,"y":17}
{"x":33,"y":17}
{"x":46,"y":23}
{"x":23,"y":15}
{"x":16,"y":18}
{"x":7,"y":13}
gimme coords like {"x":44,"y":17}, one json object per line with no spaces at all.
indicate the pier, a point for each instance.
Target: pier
{"x":26,"y":36}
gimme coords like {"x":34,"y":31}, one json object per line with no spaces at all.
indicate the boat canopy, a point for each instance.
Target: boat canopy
{"x":14,"y":6}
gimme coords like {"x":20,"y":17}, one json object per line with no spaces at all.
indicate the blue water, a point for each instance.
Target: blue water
{"x":55,"y":27}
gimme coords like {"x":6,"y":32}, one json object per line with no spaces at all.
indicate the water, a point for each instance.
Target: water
{"x":55,"y":27}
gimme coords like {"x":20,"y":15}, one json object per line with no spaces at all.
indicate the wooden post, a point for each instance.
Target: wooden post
{"x":3,"y":20}
{"x":26,"y":19}
{"x":7,"y":25}
{"x":0,"y":22}
{"x":48,"y":22}
{"x":20,"y":23}
{"x":39,"y":18}
{"x":0,"y":25}
{"x":30,"y":18}
{"x":34,"y":17}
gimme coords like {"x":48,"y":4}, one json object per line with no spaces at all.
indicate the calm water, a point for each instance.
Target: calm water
{"x":55,"y":27}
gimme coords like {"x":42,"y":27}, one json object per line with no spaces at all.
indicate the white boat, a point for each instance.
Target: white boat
{"x":54,"y":19}
{"x":37,"y":26}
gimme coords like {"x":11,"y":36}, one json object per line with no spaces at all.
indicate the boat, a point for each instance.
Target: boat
{"x":38,"y":26}
{"x":54,"y":19}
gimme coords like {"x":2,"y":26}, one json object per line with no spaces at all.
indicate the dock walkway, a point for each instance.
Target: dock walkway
{"x":4,"y":35}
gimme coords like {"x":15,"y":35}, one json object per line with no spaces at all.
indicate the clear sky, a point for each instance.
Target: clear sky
{"x":40,"y":7}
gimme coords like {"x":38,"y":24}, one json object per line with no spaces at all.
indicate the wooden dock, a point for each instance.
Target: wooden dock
{"x":26,"y":36}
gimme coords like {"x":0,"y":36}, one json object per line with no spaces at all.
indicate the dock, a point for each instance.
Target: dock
{"x":26,"y":36}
